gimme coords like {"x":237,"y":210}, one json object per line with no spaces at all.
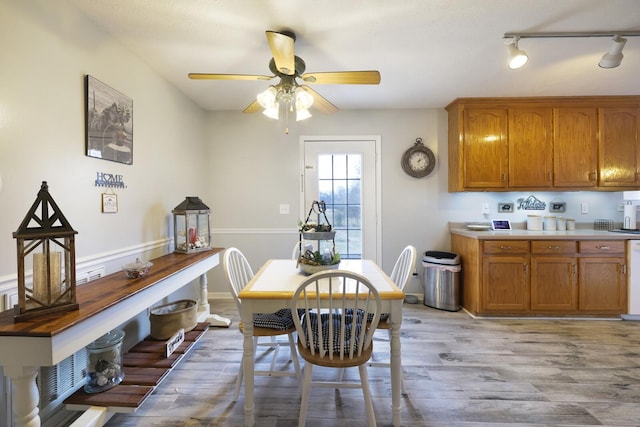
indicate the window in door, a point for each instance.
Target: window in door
{"x":339,"y":185}
{"x":344,"y":172}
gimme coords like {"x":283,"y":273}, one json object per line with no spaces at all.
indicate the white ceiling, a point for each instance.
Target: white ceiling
{"x":428,"y":52}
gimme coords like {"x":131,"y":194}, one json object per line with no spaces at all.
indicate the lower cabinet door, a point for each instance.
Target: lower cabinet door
{"x":554,"y":284}
{"x":505,"y":284}
{"x":603,"y":285}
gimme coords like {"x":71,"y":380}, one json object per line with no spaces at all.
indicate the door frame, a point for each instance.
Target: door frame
{"x":376,"y":139}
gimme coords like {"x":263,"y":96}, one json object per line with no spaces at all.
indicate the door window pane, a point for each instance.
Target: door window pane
{"x":339,"y":184}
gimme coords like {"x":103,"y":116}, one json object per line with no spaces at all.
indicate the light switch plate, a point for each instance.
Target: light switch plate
{"x":557,"y":206}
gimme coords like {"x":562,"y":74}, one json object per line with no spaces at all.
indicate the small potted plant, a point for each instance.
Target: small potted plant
{"x":311,"y":261}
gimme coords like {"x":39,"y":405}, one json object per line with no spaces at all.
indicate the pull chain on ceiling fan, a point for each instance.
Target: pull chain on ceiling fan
{"x":288,"y":93}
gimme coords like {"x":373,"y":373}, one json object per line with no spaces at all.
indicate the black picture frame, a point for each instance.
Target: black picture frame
{"x":108,"y":122}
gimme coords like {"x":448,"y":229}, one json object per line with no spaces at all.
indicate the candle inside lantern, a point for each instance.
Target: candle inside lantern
{"x":40,"y":284}
{"x":193,"y":235}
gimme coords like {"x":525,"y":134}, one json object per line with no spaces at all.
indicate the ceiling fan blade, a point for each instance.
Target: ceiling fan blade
{"x":320,"y":102}
{"x":344,"y":77}
{"x":254,"y":107}
{"x":206,"y":76}
{"x":282,"y":50}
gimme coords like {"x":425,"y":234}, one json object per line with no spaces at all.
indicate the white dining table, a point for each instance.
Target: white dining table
{"x":272,"y":288}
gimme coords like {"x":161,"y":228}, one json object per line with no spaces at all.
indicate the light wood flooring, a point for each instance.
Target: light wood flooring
{"x":459,"y":371}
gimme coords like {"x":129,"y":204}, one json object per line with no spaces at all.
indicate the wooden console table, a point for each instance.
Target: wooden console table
{"x":105,"y":304}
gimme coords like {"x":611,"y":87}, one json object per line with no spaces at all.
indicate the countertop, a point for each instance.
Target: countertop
{"x":583,"y":231}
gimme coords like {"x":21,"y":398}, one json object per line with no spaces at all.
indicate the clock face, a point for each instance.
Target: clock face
{"x":418,"y":161}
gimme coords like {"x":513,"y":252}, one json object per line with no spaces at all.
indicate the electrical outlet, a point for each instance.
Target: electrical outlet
{"x":584,"y":208}
{"x":485,"y":208}
{"x":284,"y":209}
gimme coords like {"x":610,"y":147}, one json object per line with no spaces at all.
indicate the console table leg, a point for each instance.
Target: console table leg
{"x":204,"y":309}
{"x":25,"y":395}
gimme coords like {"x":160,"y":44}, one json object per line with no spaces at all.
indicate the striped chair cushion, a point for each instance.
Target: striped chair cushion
{"x":280,"y":320}
{"x":325,"y":318}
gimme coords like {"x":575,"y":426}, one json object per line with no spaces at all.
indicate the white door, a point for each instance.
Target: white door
{"x":344,"y":172}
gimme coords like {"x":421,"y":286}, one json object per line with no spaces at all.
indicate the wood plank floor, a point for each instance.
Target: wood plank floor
{"x":459,"y":371}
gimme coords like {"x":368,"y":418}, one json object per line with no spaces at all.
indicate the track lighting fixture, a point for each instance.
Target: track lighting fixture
{"x":517,"y":58}
{"x":613,"y":57}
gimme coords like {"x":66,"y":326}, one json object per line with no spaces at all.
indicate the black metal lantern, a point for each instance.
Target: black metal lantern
{"x":191,"y":226}
{"x":46,"y":248}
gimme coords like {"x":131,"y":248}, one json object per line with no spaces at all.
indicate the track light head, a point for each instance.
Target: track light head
{"x":516,"y":57}
{"x":614,"y":56}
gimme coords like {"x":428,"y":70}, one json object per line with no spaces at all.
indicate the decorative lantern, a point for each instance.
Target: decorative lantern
{"x":46,"y":246}
{"x":191,"y":227}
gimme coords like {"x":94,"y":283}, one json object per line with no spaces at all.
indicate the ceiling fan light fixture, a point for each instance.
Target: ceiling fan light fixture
{"x":516,"y":57}
{"x":302,"y":113}
{"x":614,"y":56}
{"x":267,"y":98}
{"x":303,"y":98}
{"x":273,"y":111}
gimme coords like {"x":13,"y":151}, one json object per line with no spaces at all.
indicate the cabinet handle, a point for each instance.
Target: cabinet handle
{"x":575,"y":272}
{"x":549,"y":176}
{"x":592,"y":176}
{"x":505,"y":248}
{"x":624,"y":269}
{"x":525,"y":268}
{"x":553,"y":247}
{"x":604,"y":248}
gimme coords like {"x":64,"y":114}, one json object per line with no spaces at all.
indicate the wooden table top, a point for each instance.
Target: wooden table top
{"x":99,"y":295}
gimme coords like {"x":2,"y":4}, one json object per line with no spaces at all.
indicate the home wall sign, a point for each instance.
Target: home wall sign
{"x":109,"y":123}
{"x":109,"y":180}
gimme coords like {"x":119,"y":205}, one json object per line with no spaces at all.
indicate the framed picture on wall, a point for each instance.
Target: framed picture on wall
{"x":109,"y":123}
{"x":109,"y":203}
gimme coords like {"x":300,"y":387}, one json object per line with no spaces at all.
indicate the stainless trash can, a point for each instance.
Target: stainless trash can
{"x":441,"y":280}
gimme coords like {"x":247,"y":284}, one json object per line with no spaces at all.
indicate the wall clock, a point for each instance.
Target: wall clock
{"x":418,"y":161}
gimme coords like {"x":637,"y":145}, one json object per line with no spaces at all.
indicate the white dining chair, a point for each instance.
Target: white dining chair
{"x":239,"y":273}
{"x":333,"y":330}
{"x":402,"y":271}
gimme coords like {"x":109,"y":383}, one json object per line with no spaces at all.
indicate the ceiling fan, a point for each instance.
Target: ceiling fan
{"x":289,"y":67}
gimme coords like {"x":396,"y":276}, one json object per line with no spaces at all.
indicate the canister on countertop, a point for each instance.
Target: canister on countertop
{"x":550,"y":223}
{"x":534,"y":222}
{"x":571,"y":224}
{"x":561,"y":223}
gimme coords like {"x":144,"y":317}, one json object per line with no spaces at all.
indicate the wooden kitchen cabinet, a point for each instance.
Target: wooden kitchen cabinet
{"x":554,"y":276}
{"x":484,"y":148}
{"x":549,"y":143}
{"x":602,"y":277}
{"x":505,"y":284}
{"x":575,"y":147}
{"x":505,"y":276}
{"x":530,"y":147}
{"x":619,"y":147}
{"x":542,"y":277}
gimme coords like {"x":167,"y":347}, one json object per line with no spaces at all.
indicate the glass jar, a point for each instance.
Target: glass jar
{"x":104,"y":362}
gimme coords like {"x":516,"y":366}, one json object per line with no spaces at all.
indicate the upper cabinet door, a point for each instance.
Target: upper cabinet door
{"x":530,"y":147}
{"x":485,"y":148}
{"x":619,"y":152}
{"x":575,"y":147}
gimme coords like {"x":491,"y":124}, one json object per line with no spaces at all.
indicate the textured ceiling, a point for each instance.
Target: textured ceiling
{"x":428,"y":52}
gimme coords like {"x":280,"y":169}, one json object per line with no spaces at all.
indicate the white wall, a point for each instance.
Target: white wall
{"x":47,"y":49}
{"x":254,"y":167}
